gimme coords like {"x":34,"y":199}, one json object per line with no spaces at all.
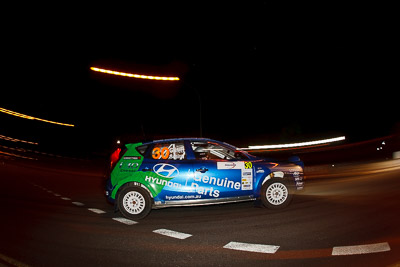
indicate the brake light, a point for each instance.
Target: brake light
{"x":114,"y":157}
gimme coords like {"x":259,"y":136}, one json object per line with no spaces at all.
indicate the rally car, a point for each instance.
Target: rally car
{"x":196,"y":171}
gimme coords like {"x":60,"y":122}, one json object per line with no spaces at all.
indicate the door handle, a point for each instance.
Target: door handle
{"x":202,"y":170}
{"x":146,"y":169}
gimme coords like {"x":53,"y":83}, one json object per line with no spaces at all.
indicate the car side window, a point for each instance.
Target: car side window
{"x":169,"y":151}
{"x":210,"y":151}
{"x":142,"y":149}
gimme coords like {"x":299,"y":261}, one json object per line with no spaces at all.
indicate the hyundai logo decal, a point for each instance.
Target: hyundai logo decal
{"x":166,"y":170}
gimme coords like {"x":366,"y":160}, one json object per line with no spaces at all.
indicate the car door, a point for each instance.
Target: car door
{"x":168,"y":171}
{"x":218,"y":174}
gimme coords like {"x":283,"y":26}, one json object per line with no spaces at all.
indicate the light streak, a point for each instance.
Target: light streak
{"x":15,"y":155}
{"x":133,"y":75}
{"x":17,"y":140}
{"x":13,"y":113}
{"x":302,"y":144}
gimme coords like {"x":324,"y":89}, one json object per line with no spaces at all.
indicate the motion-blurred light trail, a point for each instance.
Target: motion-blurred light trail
{"x":302,"y":144}
{"x":13,"y":113}
{"x":7,"y":138}
{"x":15,"y":155}
{"x":132,"y":75}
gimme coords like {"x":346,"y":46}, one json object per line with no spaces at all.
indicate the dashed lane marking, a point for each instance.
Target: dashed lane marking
{"x":124,"y":221}
{"x":361,"y":249}
{"x":98,"y":211}
{"x":79,"y":204}
{"x":171,"y":233}
{"x":260,"y":248}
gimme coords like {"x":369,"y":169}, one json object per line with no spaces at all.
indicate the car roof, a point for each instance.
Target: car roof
{"x":198,"y":139}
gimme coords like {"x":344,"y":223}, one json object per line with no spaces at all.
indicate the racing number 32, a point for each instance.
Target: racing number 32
{"x":160,"y":153}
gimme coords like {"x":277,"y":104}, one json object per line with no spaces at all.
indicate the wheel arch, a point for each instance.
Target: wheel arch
{"x":121,"y":186}
{"x":264,"y":179}
{"x":130,"y":182}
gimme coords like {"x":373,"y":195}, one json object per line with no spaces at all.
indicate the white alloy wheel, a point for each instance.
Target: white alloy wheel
{"x":277,"y":193}
{"x":134,"y":202}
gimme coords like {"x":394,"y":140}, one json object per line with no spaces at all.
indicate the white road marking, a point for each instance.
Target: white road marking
{"x":98,"y":211}
{"x":124,"y":221}
{"x":361,"y":249}
{"x":79,"y":204}
{"x":12,"y":261}
{"x":252,"y":247}
{"x":65,"y":198}
{"x":57,"y":195}
{"x":171,"y":233}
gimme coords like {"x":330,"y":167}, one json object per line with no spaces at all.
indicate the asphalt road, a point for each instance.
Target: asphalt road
{"x":56,"y":215}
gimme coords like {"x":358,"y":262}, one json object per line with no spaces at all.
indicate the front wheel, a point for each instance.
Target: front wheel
{"x":275,"y":194}
{"x":134,"y":202}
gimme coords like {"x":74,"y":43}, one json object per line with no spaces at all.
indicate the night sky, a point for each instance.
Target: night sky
{"x":260,"y":79}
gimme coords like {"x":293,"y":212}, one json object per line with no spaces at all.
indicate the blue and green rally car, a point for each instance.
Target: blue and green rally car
{"x":196,"y":171}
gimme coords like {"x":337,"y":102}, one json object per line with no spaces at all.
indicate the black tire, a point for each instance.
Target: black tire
{"x":134,"y":202}
{"x":276,"y":194}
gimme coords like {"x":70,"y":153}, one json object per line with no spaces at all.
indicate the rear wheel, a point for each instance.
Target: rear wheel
{"x":275,"y":194}
{"x":134,"y":202}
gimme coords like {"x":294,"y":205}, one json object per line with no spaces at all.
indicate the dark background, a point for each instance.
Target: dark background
{"x":262,"y":74}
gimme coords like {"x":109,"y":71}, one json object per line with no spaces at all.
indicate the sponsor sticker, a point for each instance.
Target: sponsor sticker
{"x":226,"y":165}
{"x":247,"y":179}
{"x":132,"y":157}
